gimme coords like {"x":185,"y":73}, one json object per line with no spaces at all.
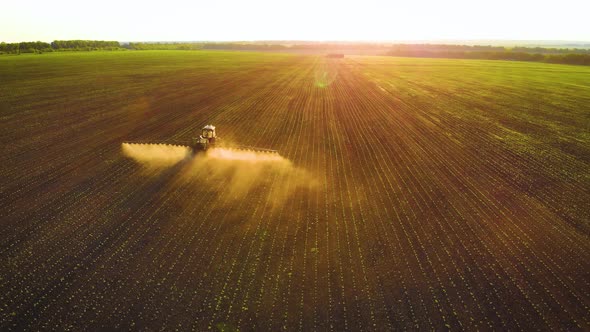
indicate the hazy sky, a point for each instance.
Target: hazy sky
{"x":46,"y":20}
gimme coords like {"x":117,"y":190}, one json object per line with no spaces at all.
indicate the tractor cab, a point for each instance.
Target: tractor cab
{"x":206,"y":140}
{"x":208,"y":132}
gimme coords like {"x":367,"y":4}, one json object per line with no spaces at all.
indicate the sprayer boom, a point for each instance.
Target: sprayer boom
{"x":251,"y":148}
{"x":208,"y":139}
{"x":179,"y":144}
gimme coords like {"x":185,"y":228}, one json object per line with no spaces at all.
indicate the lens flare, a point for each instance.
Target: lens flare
{"x":324,"y":76}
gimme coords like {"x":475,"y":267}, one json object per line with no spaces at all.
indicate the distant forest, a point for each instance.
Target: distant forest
{"x":574,"y":56}
{"x":58,"y":45}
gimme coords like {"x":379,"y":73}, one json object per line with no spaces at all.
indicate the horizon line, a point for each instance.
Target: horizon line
{"x":363,"y":41}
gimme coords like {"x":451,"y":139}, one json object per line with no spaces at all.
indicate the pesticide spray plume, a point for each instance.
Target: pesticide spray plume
{"x":245,"y":156}
{"x":155,"y":155}
{"x":241,"y":171}
{"x":246,"y":171}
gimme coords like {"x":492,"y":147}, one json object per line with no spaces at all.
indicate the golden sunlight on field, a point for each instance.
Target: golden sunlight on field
{"x":155,"y":154}
{"x":245,"y":170}
{"x":406,"y":194}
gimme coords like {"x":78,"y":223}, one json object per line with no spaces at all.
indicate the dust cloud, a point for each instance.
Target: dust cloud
{"x":155,"y":155}
{"x":236,"y":173}
{"x":247,"y":156}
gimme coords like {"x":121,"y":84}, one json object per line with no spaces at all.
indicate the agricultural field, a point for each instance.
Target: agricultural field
{"x":409,"y":194}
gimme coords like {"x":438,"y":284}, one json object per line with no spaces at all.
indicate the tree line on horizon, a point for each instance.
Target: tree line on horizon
{"x":347,"y":46}
{"x":536,"y":54}
{"x":562,"y":58}
{"x":58,"y":45}
{"x":574,"y":56}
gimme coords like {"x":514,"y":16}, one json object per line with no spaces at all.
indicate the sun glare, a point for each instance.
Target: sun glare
{"x":300,"y":20}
